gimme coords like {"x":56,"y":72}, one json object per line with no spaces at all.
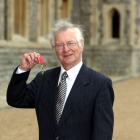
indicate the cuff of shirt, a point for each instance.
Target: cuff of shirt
{"x":19,"y":71}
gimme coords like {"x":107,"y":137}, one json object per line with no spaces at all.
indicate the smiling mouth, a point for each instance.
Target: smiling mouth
{"x":67,"y":55}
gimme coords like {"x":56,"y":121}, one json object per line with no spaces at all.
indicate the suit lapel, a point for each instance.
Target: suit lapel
{"x":81,"y":80}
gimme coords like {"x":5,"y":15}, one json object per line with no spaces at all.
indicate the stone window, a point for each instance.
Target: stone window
{"x":65,"y":9}
{"x":44,"y":17}
{"x":19,"y":17}
{"x":115,"y":23}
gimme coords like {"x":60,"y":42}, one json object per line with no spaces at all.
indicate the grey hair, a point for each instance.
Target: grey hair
{"x":63,"y":25}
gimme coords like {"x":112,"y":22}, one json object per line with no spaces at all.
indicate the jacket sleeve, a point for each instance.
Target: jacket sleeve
{"x":19,"y":93}
{"x":103,"y":120}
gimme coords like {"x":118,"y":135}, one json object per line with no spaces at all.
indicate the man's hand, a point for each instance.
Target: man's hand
{"x":29,"y":60}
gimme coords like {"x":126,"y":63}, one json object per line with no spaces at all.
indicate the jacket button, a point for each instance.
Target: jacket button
{"x":57,"y":137}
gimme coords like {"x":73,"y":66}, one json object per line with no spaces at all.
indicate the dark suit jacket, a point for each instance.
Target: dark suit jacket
{"x":87,"y":115}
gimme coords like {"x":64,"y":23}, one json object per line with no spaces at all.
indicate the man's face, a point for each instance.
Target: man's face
{"x":67,"y":48}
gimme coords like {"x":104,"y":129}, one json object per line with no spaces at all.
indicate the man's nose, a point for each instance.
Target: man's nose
{"x":65,"y":47}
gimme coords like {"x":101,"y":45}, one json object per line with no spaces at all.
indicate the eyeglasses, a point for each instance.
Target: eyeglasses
{"x":70,"y":45}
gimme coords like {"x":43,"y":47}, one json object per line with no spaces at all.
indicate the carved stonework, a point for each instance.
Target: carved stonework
{"x":2,"y":20}
{"x":127,"y":26}
{"x":32,"y":20}
{"x":137,"y":23}
{"x":100,"y":23}
{"x":81,"y":15}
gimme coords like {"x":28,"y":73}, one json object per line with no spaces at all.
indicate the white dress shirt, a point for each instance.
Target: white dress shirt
{"x":72,"y":74}
{"x":19,"y":71}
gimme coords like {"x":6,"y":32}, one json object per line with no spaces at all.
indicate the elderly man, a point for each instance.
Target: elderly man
{"x":72,"y":101}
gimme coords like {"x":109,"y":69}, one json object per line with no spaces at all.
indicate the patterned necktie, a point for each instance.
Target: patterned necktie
{"x":62,"y":88}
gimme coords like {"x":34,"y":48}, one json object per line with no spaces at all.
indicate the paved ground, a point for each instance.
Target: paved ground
{"x":127,"y":110}
{"x":20,"y":124}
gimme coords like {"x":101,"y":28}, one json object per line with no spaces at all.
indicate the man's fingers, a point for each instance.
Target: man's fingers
{"x":36,"y":56}
{"x":29,"y":60}
{"x":32,"y":58}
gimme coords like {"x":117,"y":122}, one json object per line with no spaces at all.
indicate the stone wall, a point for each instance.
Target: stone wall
{"x":136,"y":62}
{"x":10,"y":58}
{"x":110,"y":62}
{"x":118,"y":63}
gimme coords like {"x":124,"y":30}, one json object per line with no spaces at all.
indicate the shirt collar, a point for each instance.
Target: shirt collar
{"x":73,"y":72}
